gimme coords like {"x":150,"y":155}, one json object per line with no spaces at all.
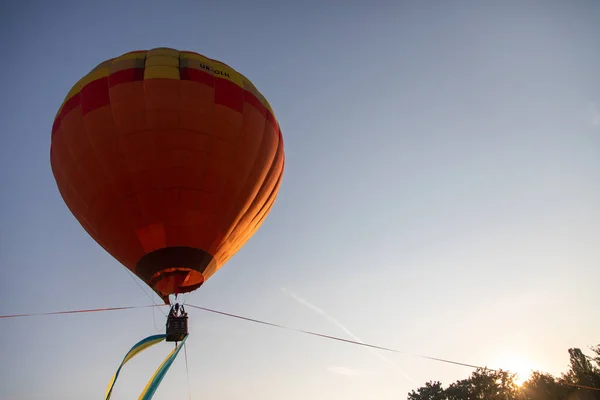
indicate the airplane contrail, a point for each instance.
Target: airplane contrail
{"x":348,"y":332}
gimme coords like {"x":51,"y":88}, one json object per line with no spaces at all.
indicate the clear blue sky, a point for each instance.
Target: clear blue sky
{"x":441,"y":196}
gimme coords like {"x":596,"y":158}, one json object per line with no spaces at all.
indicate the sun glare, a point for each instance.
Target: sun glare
{"x":517,"y":365}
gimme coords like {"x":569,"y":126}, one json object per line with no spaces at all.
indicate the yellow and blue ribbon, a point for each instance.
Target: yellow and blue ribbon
{"x":160,"y":373}
{"x":135,"y":350}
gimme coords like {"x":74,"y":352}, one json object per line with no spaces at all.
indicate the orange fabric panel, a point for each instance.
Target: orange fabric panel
{"x":128,"y":107}
{"x":163,"y":159}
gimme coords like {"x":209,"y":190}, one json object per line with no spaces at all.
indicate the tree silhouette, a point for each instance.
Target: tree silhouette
{"x":431,"y":391}
{"x":580,"y":382}
{"x":544,"y":386}
{"x":585,"y":373}
{"x":482,"y":384}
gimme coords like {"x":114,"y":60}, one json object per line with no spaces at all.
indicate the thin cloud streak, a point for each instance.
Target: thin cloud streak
{"x":346,"y":330}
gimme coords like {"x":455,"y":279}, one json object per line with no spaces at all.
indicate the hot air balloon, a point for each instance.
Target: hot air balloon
{"x":170,"y":160}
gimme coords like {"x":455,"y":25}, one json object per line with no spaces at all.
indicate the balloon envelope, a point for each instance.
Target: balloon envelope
{"x":170,"y":161}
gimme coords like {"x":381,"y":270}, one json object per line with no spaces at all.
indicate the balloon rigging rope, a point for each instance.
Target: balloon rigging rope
{"x":187,"y":371}
{"x":365,"y":344}
{"x":276,"y":326}
{"x":336,"y":338}
{"x":79,"y":311}
{"x":255,"y":321}
{"x":149,"y":296}
{"x":145,"y":292}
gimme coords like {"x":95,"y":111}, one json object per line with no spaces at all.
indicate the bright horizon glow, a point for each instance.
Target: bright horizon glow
{"x":514,"y":363}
